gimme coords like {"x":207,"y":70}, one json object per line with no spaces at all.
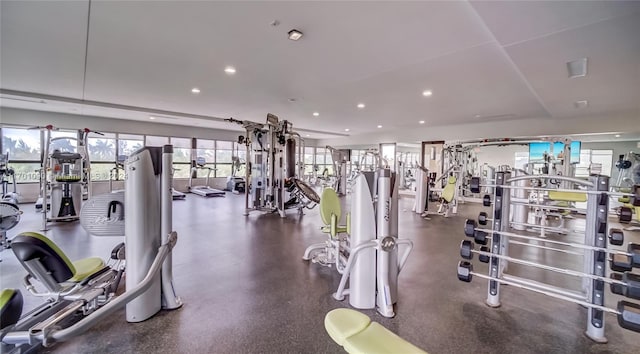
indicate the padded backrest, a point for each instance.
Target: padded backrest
{"x":449,"y":190}
{"x":10,"y":307}
{"x":329,"y":205}
{"x":32,"y":245}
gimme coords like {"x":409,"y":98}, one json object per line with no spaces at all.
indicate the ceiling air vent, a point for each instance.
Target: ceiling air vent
{"x":577,"y":68}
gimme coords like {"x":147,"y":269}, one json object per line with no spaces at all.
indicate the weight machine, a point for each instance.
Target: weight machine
{"x":340,"y":159}
{"x":9,"y":210}
{"x":65,"y":176}
{"x":275,"y":158}
{"x":374,"y":263}
{"x":82,"y":294}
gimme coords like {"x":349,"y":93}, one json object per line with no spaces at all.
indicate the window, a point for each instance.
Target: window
{"x":181,"y":157}
{"x":63,"y":140}
{"x":224,"y":153}
{"x":127,"y":144}
{"x":23,"y":146}
{"x":594,"y":161}
{"x":102,"y":154}
{"x":309,"y":151}
{"x":521,"y":159}
{"x":151,"y":140}
{"x":206,"y":149}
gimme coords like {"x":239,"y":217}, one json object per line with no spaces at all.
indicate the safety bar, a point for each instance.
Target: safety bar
{"x":347,"y":269}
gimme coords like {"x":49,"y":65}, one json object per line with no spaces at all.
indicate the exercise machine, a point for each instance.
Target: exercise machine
{"x":9,"y":210}
{"x":82,"y":294}
{"x":114,"y":173}
{"x":205,"y":190}
{"x":274,"y":155}
{"x":236,"y":184}
{"x":176,"y":195}
{"x":374,"y":262}
{"x":65,"y":176}
{"x":340,"y":159}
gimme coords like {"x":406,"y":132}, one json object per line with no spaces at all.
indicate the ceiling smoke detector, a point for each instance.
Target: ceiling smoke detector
{"x":295,"y":35}
{"x":577,"y":68}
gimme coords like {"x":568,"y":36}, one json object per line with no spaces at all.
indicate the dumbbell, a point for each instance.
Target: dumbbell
{"x":466,"y":251}
{"x":616,"y":237}
{"x":486,"y":200}
{"x":470,"y":231}
{"x":632,"y":287}
{"x":626,"y":214}
{"x":474,"y":184}
{"x":621,"y":262}
{"x":483,"y":218}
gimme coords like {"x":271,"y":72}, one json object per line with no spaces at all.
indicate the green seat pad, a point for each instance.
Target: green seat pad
{"x":376,"y":339}
{"x":568,"y":196}
{"x":358,"y":335}
{"x":344,"y":323}
{"x":329,"y":205}
{"x":5,"y":296}
{"x":85,"y":267}
{"x":449,"y":190}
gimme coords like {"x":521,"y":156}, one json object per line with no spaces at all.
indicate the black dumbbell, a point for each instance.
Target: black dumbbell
{"x":483,"y":257}
{"x":616,"y":237}
{"x":470,"y":231}
{"x":483,"y":218}
{"x":475,"y":185}
{"x":625,"y":262}
{"x":466,"y":249}
{"x":486,"y":200}
{"x":470,"y":227}
{"x":632,"y":287}
{"x":464,"y":271}
{"x":626,"y":214}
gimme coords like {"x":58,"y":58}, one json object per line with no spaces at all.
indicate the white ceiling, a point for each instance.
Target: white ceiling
{"x":484,"y":61}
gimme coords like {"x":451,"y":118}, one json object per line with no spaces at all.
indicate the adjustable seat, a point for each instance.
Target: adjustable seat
{"x":46,"y":262}
{"x":331,"y":212}
{"x":355,"y":332}
{"x":10,"y":307}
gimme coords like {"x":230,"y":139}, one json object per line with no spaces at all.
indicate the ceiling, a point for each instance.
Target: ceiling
{"x":483,"y":61}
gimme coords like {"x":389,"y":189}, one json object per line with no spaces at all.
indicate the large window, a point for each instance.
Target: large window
{"x":102,"y":153}
{"x":224,"y":153}
{"x":23,"y":147}
{"x":206,"y":149}
{"x":309,"y":151}
{"x":127,"y":143}
{"x":594,"y":161}
{"x":181,"y":157}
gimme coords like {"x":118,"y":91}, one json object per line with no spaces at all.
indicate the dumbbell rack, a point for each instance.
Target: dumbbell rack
{"x":594,"y":259}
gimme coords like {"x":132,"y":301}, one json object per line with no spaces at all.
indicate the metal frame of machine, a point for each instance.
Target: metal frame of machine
{"x":273,"y":166}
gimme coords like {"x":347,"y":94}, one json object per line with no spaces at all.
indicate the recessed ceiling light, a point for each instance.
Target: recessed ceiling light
{"x":346,"y":129}
{"x":315,"y":114}
{"x":421,"y":122}
{"x":379,"y":126}
{"x":294,"y":34}
{"x":195,"y":90}
{"x":307,"y":135}
{"x":427,"y":93}
{"x":361,"y":105}
{"x":617,"y":135}
{"x":230,"y":70}
{"x":152,"y":118}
